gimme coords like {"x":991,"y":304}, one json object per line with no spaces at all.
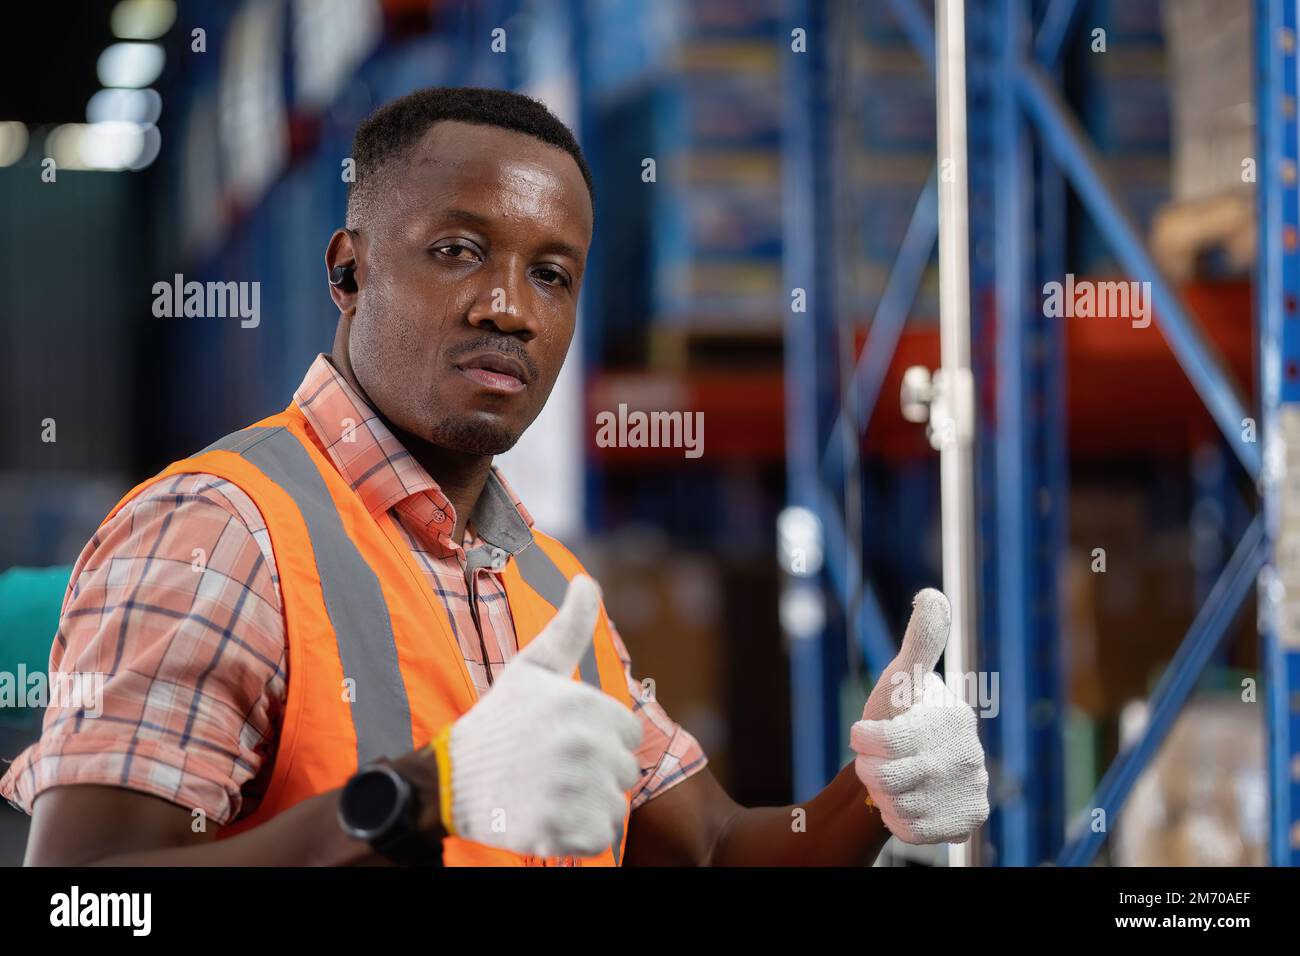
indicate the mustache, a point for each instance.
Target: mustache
{"x":497,"y":343}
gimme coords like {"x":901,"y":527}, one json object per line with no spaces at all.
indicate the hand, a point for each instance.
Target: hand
{"x":541,"y":764}
{"x":919,"y":752}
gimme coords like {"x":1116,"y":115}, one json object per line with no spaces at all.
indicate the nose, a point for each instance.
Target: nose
{"x":501,"y":302}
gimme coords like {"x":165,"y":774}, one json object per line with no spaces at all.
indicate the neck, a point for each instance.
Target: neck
{"x":460,"y":475}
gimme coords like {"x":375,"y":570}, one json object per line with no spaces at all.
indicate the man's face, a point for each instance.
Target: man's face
{"x":469,"y":280}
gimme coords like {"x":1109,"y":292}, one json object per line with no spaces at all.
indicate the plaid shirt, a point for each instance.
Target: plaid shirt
{"x":176,"y":601}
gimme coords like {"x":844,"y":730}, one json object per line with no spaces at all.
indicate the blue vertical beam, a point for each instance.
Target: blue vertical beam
{"x":1276,"y":296}
{"x":1048,"y":534}
{"x":591,"y":335}
{"x":1017,"y":236}
{"x":984,"y":26}
{"x":1049,"y":687}
{"x":1283,"y":670}
{"x":809,"y":390}
{"x":1013,"y":176}
{"x":1018,"y":241}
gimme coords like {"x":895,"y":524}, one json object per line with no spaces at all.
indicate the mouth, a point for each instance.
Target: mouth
{"x":495,"y":372}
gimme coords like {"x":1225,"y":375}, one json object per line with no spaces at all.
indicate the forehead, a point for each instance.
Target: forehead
{"x":499,"y":173}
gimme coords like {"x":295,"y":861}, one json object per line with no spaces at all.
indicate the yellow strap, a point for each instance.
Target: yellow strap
{"x":441,"y":747}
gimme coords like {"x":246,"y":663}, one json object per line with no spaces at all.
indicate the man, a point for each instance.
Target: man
{"x":333,"y":637}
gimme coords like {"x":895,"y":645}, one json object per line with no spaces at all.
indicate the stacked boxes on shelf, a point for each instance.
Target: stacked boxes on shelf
{"x":888,"y":124}
{"x":1211,"y":67}
{"x":1211,"y":58}
{"x":716,"y":201}
{"x":1203,"y":800}
{"x":1118,"y":58}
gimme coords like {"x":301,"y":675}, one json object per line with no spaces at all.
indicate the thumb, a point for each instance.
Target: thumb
{"x":923,"y":644}
{"x":927,"y":631}
{"x":566,"y":638}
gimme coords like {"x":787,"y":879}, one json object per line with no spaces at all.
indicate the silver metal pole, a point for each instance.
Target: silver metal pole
{"x":953,"y":416}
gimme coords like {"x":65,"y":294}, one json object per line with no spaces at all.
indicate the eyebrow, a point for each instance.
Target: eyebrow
{"x":464,"y":215}
{"x":564,"y":249}
{"x":468,"y":217}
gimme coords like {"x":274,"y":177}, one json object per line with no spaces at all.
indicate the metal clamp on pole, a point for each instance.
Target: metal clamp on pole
{"x":944,"y":403}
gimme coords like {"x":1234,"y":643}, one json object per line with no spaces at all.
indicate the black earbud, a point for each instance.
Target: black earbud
{"x":344,"y":278}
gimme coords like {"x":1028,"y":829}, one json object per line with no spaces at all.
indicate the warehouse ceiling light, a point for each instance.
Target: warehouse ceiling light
{"x":130,"y":65}
{"x":13,"y":142}
{"x":107,"y":147}
{"x":142,"y":107}
{"x":142,"y":19}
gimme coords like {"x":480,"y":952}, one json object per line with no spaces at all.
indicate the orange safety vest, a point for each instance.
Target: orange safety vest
{"x":374,"y":666}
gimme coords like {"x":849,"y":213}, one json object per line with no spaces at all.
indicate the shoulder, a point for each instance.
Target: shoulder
{"x":196,"y":492}
{"x":174,"y":607}
{"x":196,"y":520}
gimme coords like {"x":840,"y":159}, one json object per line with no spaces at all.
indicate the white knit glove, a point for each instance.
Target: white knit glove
{"x":541,"y":764}
{"x":918,"y":748}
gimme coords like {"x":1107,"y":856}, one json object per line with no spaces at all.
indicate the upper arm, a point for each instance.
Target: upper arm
{"x":174,"y":613}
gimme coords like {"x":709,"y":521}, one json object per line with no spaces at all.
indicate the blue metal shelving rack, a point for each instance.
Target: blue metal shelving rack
{"x":809,"y":385}
{"x":1018,"y":241}
{"x":1276,"y":295}
{"x":1071,"y":152}
{"x":820,"y":404}
{"x":1025,"y":146}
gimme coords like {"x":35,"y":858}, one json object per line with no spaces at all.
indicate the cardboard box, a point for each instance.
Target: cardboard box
{"x":1204,"y":799}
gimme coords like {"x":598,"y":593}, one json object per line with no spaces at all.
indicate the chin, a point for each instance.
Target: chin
{"x":475,"y":437}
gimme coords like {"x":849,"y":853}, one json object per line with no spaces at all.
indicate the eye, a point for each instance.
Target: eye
{"x":551,"y":275}
{"x":462,"y":251}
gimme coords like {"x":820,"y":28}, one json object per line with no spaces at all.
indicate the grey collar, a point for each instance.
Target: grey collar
{"x":496,"y":519}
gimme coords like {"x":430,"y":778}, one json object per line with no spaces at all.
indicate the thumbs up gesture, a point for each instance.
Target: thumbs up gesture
{"x":541,"y":763}
{"x":917,"y":745}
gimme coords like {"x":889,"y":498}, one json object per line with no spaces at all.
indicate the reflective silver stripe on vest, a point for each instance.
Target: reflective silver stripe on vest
{"x":381,"y":713}
{"x":541,"y":574}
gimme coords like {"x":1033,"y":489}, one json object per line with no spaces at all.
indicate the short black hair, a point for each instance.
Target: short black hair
{"x":389,"y":133}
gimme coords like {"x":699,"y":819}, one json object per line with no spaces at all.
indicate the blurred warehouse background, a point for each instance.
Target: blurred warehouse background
{"x":211,"y":139}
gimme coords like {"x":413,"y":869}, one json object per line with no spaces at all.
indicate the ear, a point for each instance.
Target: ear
{"x":344,"y":250}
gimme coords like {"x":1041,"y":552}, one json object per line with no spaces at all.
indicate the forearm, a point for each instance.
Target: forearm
{"x":837,"y":828}
{"x":305,"y":835}
{"x":923,"y":762}
{"x":70,"y":827}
